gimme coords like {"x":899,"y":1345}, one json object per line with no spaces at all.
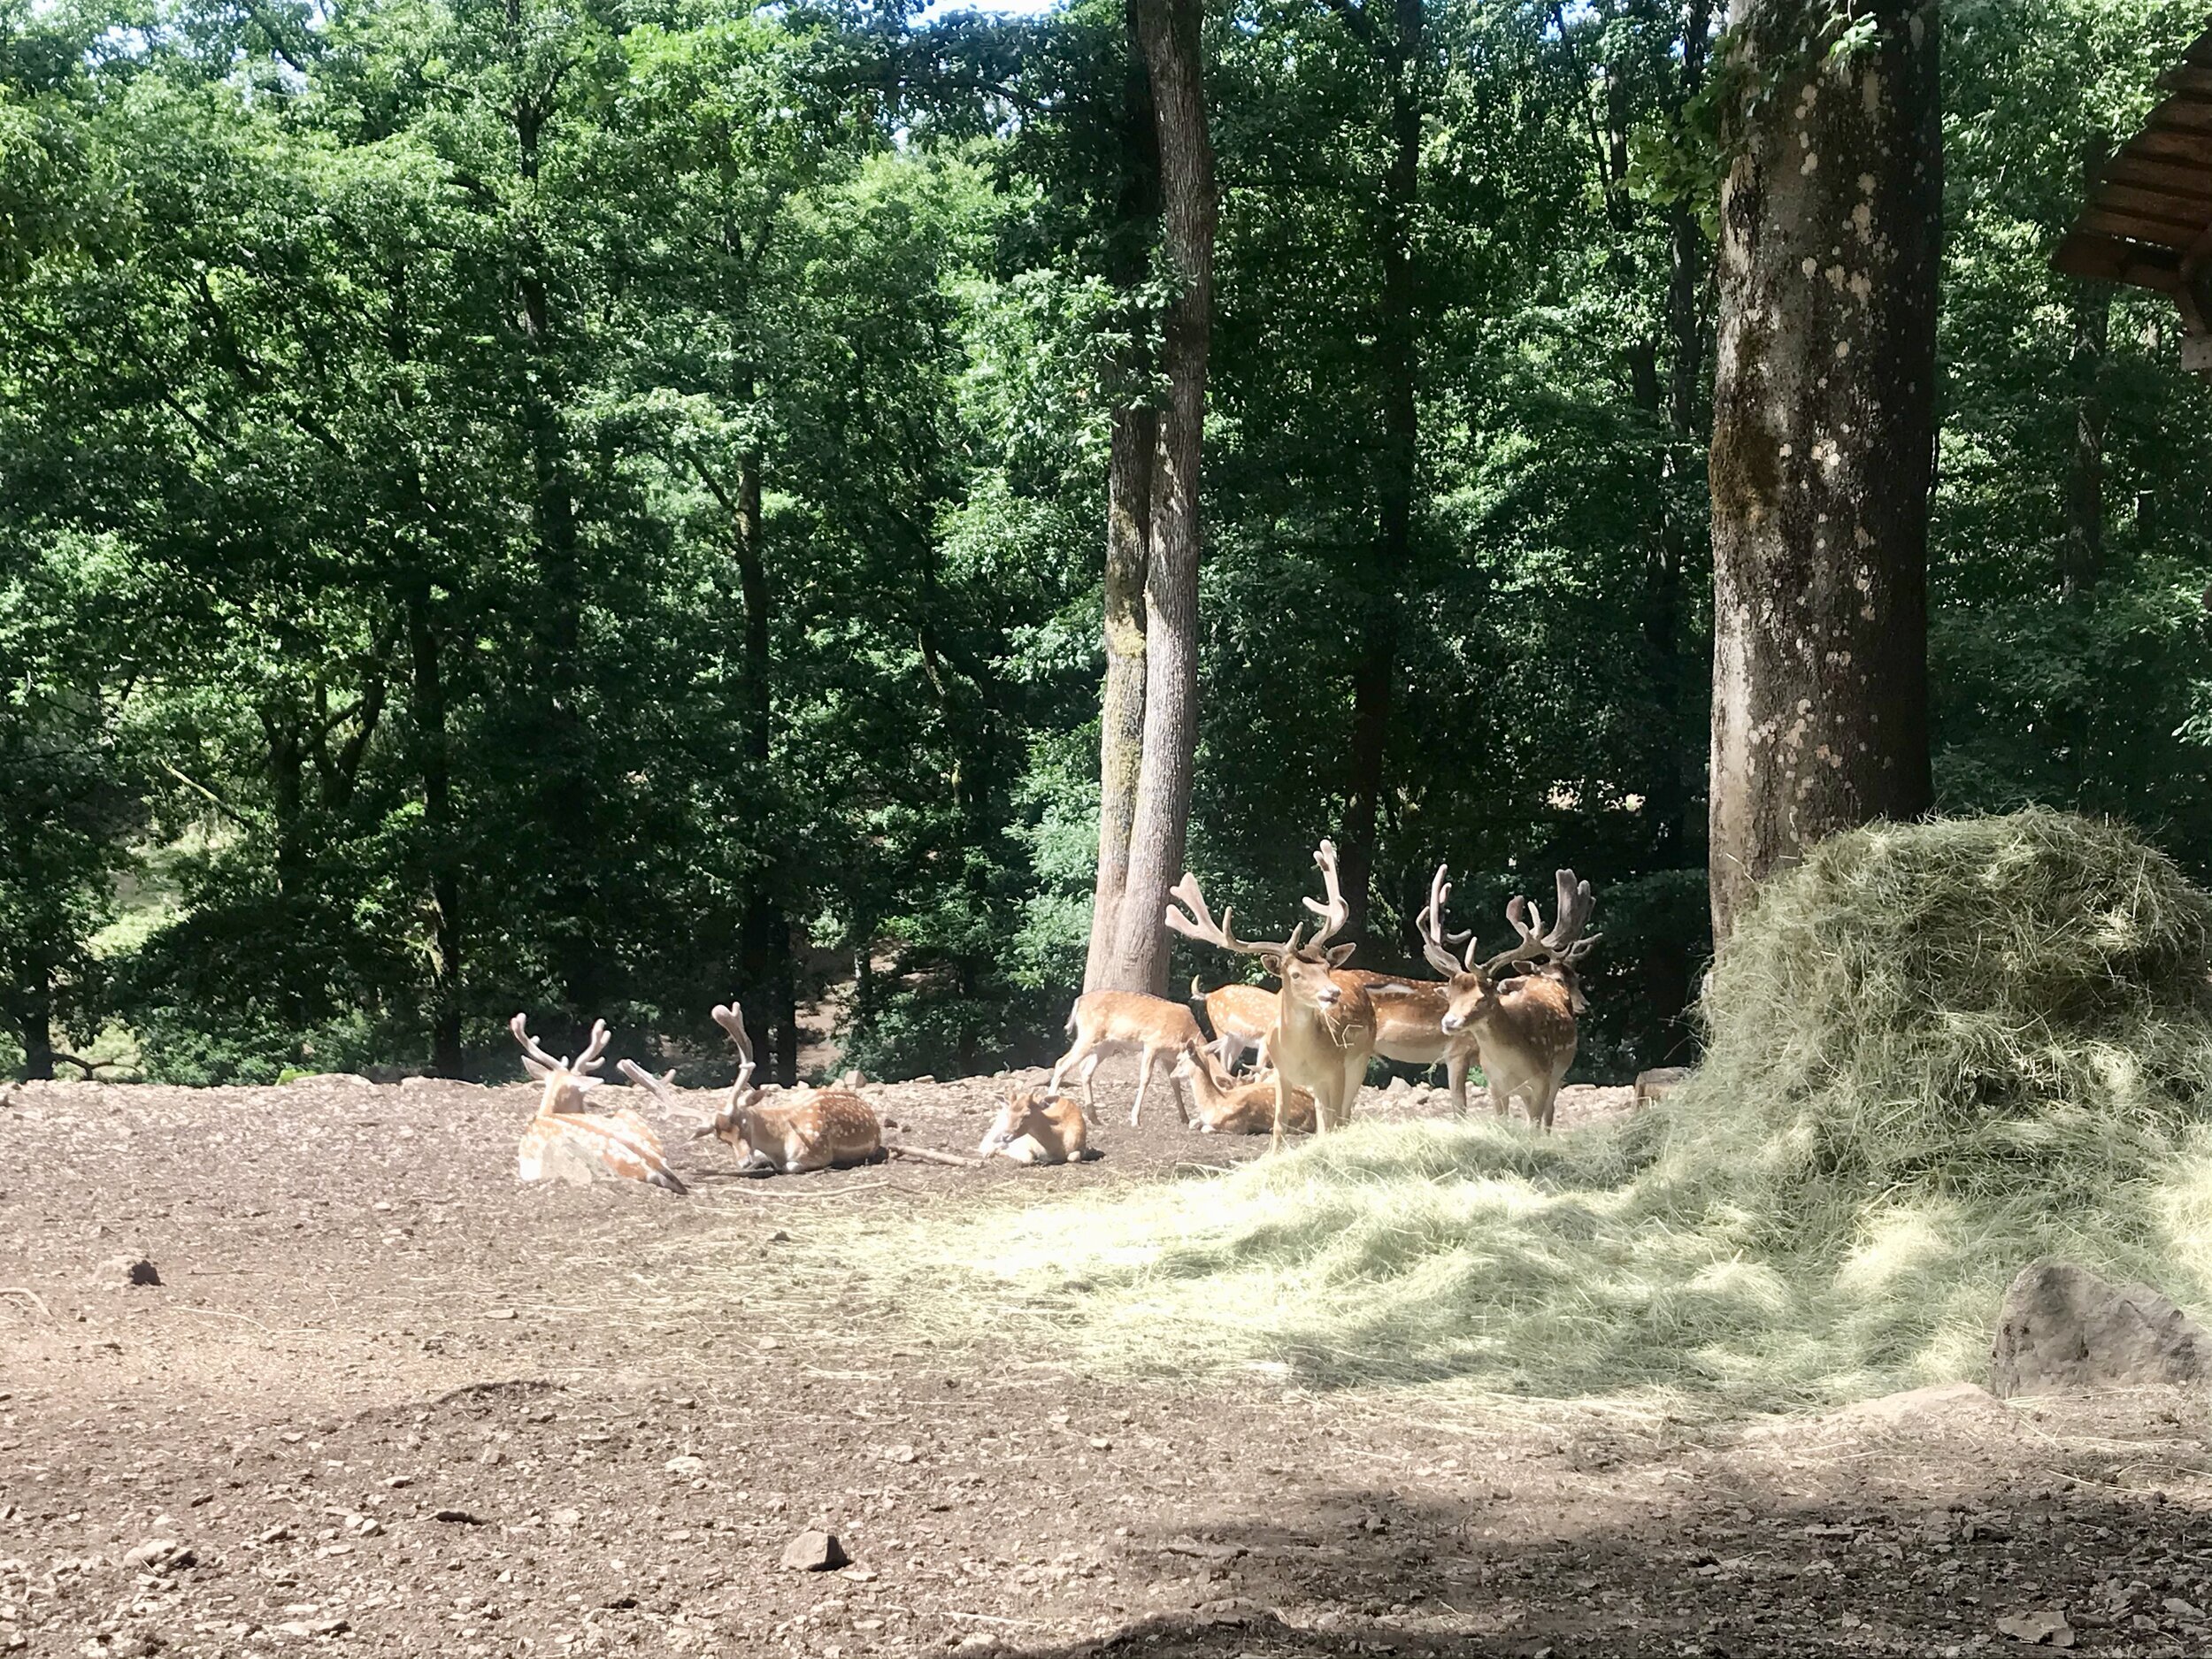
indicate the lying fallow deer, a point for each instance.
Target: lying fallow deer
{"x":1037,"y":1127}
{"x":566,"y":1140}
{"x":1108,"y":1022}
{"x":1235,"y":1106}
{"x":817,"y":1129}
{"x":1241,"y":1016}
{"x":1325,"y":1021}
{"x":1524,"y":1027}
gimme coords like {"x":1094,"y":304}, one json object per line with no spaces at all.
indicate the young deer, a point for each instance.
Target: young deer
{"x":567,"y":1141}
{"x":820,"y":1129}
{"x":1037,"y":1127}
{"x":1238,"y":1106}
{"x":1325,"y":1021}
{"x":1107,"y":1022}
{"x":1524,"y":1027}
{"x":1240,"y":1016}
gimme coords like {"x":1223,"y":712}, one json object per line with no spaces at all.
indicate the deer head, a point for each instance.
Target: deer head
{"x":728,"y":1125}
{"x":1475,"y":985}
{"x":565,"y":1085}
{"x":1023,"y":1112}
{"x":1304,"y":968}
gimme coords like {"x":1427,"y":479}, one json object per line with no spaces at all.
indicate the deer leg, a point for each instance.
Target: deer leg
{"x":1455,"y":1079}
{"x":1144,"y":1082}
{"x":1090,"y":1100}
{"x":1282,"y":1106}
{"x":1081,"y":1051}
{"x":1499,"y":1100}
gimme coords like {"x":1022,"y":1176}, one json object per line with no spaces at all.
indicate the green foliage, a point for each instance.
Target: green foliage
{"x":379,"y":389}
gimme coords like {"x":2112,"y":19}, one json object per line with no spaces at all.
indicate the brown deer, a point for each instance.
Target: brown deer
{"x":1325,"y":1021}
{"x":819,"y":1129}
{"x":1108,"y":1022}
{"x":1239,"y":1106}
{"x":1240,"y":1016}
{"x":568,"y":1141}
{"x":1037,"y":1127}
{"x":1523,"y":1025}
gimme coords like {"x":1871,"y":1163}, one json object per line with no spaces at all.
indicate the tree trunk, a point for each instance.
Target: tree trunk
{"x":432,"y":762}
{"x":1169,"y":34}
{"x":38,"y":1026}
{"x":1824,"y":437}
{"x":1397,"y":340}
{"x":2084,"y":558}
{"x":768,"y":984}
{"x":1136,"y":437}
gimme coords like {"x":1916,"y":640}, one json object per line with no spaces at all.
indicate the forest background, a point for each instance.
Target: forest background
{"x":586,"y":507}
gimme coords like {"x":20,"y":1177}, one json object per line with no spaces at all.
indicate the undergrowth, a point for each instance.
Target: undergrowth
{"x":1935,"y":1054}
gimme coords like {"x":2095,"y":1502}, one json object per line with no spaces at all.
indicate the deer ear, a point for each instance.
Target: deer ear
{"x":1341,"y":955}
{"x":1271,"y":962}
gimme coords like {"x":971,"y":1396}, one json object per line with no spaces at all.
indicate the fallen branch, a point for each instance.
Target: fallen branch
{"x":929,"y":1155}
{"x":35,"y":1300}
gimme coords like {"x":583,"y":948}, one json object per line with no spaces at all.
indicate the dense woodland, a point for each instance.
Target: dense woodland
{"x":587,"y":506}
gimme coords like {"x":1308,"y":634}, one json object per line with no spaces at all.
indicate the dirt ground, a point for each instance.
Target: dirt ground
{"x":385,"y":1399}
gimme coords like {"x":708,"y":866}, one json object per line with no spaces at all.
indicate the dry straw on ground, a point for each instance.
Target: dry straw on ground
{"x":1935,"y":1054}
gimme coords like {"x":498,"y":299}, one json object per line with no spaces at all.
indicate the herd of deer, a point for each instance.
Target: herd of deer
{"x":1512,"y":1014}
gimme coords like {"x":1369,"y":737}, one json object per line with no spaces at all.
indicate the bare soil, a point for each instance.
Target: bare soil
{"x":387,"y":1400}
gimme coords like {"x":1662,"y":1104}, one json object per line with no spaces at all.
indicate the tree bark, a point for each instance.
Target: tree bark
{"x":1169,"y":34}
{"x":1397,"y":340}
{"x":1134,"y":438}
{"x":1131,"y":463}
{"x":770,"y":989}
{"x":37,"y":1019}
{"x":2084,"y":558}
{"x":1824,"y":436}
{"x":432,"y":762}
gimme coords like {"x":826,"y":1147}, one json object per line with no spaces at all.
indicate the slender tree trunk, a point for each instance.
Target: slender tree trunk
{"x":1672,"y":656}
{"x":1169,"y":34}
{"x":38,"y":1026}
{"x":1375,"y":670}
{"x":2085,"y":473}
{"x":1134,"y":438}
{"x":432,"y":762}
{"x":765,"y":965}
{"x":1824,"y":437}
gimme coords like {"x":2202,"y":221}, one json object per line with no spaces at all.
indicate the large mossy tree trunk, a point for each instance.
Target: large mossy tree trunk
{"x":1168,"y":33}
{"x":1823,"y":432}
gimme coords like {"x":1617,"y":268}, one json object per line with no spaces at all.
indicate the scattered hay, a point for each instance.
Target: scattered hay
{"x":1936,"y":1053}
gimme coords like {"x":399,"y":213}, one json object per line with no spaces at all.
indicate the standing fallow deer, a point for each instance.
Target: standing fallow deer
{"x":566,"y":1140}
{"x":1241,"y":1016}
{"x":1238,"y":1106}
{"x":1108,"y":1022}
{"x":1037,"y":1127}
{"x":1325,"y":1021}
{"x":817,"y":1129}
{"x":1523,"y":1025}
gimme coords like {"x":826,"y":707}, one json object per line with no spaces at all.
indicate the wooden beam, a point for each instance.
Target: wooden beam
{"x":2160,"y":232}
{"x":2186,"y":77}
{"x":2113,"y":196}
{"x":2186,"y":114}
{"x":2189,"y":149}
{"x":2099,"y":258}
{"x":2145,"y":173}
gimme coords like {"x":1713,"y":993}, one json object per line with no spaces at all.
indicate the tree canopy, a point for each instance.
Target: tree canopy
{"x":594,"y":507}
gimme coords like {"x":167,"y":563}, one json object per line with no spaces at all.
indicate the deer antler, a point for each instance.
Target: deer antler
{"x":1199,"y":923}
{"x":1440,"y":946}
{"x":732,"y":1019}
{"x":1528,"y":922}
{"x":593,"y":1056}
{"x":1565,"y":941}
{"x":1336,"y":913}
{"x":658,"y":1086}
{"x":536,"y":1061}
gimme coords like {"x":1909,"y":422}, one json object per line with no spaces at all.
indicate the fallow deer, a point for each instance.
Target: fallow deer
{"x":1037,"y":1127}
{"x":1108,"y":1022}
{"x":1238,"y":1106}
{"x":567,"y":1141}
{"x":1523,"y":1025}
{"x":1240,"y":1016}
{"x":817,"y":1129}
{"x":1325,"y":1021}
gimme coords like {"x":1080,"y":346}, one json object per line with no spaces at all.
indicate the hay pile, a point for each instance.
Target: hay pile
{"x":1936,"y":1053}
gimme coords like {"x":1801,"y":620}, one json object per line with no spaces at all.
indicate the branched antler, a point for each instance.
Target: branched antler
{"x":1336,"y":911}
{"x":541,"y":1065}
{"x":732,"y":1019}
{"x":1197,"y":922}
